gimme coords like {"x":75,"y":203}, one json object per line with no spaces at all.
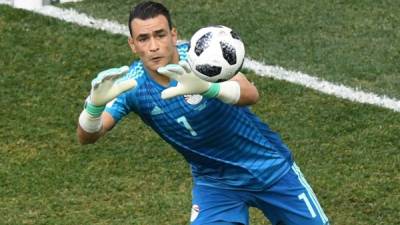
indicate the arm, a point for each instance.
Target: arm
{"x":85,"y":137}
{"x":238,"y":90}
{"x":248,"y":92}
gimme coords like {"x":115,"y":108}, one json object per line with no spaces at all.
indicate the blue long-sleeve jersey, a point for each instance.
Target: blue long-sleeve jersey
{"x":227,"y":146}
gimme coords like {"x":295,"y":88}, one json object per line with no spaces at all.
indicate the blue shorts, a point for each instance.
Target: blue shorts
{"x":290,"y":201}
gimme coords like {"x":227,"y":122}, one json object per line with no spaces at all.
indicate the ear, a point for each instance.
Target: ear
{"x":131,"y":44}
{"x":174,"y":34}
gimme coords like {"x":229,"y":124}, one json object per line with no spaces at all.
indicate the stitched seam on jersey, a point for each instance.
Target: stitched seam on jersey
{"x":136,"y":72}
{"x":183,"y":50}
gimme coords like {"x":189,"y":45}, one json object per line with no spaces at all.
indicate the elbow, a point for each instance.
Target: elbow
{"x":249,"y":97}
{"x":253,"y":99}
{"x":253,"y":96}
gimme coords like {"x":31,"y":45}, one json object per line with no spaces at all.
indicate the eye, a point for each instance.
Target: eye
{"x":142,"y":39}
{"x":160,"y":33}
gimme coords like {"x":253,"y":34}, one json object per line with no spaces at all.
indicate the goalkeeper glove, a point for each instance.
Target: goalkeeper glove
{"x":107,"y":86}
{"x":189,"y":83}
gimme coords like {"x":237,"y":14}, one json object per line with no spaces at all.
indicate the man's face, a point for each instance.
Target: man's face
{"x":154,"y":42}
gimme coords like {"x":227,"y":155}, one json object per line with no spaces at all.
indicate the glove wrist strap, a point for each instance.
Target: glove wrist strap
{"x":93,"y":110}
{"x":212,"y":91}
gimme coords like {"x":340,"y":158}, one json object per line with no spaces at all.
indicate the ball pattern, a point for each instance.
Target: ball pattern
{"x":216,"y":53}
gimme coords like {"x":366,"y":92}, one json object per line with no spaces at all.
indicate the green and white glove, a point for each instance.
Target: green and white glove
{"x":189,"y":83}
{"x":107,"y":85}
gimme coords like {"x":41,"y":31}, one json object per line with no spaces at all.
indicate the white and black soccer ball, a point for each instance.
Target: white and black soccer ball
{"x":216,"y":53}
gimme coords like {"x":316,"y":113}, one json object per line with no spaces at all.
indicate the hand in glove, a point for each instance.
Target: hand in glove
{"x":188,"y":82}
{"x":107,"y":86}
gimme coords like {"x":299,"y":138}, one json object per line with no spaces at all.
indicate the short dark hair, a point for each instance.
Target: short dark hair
{"x":147,"y":10}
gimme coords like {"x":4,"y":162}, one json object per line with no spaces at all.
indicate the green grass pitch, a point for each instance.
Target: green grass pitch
{"x":349,"y":152}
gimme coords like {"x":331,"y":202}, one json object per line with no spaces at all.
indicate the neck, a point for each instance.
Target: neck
{"x":159,"y":78}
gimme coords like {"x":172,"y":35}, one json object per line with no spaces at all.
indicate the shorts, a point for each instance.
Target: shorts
{"x":290,"y":201}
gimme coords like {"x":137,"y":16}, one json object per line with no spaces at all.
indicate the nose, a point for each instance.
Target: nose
{"x":154,"y":45}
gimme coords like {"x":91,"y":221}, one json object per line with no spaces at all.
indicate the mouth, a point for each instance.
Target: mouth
{"x":156,"y":59}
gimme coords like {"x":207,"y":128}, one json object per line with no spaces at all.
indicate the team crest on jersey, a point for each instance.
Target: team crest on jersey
{"x":195,"y":212}
{"x":193,"y":99}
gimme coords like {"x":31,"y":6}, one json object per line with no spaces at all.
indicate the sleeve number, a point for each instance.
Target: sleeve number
{"x":183,"y":121}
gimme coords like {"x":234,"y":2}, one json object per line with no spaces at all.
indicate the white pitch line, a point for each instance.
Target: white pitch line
{"x":5,"y":2}
{"x":338,"y":90}
{"x":323,"y":86}
{"x":72,"y":16}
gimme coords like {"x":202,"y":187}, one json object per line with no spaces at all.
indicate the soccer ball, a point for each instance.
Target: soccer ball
{"x":216,"y":53}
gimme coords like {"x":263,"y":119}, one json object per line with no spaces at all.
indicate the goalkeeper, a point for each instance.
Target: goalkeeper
{"x":237,"y":161}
